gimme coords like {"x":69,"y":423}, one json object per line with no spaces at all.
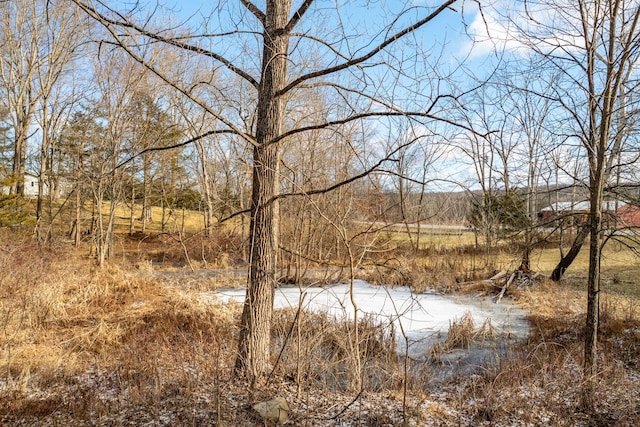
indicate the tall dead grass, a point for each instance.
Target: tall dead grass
{"x":461,"y":334}
{"x":86,"y":345}
{"x":103,"y":332}
{"x":223,"y":247}
{"x":539,"y":383}
{"x":317,"y":350}
{"x":115,"y":346}
{"x":443,"y":272}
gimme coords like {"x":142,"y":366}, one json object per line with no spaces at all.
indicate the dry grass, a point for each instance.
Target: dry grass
{"x":319,"y":352}
{"x":614,"y":256}
{"x":443,"y":271}
{"x":175,"y":220}
{"x":86,"y":347}
{"x":462,"y":333}
{"x":539,"y":383}
{"x":96,"y":334}
{"x":432,"y":236}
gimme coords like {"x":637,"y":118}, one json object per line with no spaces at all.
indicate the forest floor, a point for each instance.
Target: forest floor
{"x":112,"y":347}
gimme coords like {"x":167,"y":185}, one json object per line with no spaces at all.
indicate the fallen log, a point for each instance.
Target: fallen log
{"x":492,"y":282}
{"x":506,"y":285}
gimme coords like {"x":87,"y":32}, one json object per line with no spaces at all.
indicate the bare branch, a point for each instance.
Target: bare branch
{"x":408,"y":114}
{"x":233,"y":129}
{"x":254,"y":9}
{"x":124,"y":23}
{"x":297,"y":16}
{"x":170,"y":147}
{"x":355,"y":61}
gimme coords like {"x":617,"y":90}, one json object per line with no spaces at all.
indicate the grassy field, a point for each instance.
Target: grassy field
{"x":175,"y":220}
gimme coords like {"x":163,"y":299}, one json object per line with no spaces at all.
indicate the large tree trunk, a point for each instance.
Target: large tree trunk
{"x":255,"y":333}
{"x":568,"y":259}
{"x":255,"y":330}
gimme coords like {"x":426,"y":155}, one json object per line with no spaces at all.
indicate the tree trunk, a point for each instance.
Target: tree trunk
{"x":40,"y":196}
{"x":78,"y":233}
{"x":206,"y":190}
{"x":132,"y":209}
{"x":18,"y":170}
{"x":255,"y":333}
{"x":587,"y":398}
{"x":568,"y":259}
{"x":144,"y":216}
{"x":253,"y":359}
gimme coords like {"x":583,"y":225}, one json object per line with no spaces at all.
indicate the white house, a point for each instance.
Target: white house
{"x":30,"y":186}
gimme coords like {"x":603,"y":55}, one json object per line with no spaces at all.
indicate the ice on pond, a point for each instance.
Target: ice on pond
{"x":424,"y":318}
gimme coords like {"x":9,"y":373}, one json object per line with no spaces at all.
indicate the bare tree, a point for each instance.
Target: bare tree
{"x":19,"y":60}
{"x":594,"y":45}
{"x":78,"y":131}
{"x":58,"y":47}
{"x":266,"y":48}
{"x":482,"y":151}
{"x":412,"y":172}
{"x":118,"y":82}
{"x":523,"y":140}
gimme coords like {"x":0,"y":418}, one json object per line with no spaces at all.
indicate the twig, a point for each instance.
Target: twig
{"x":355,"y":399}
{"x":504,"y":288}
{"x":286,"y":340}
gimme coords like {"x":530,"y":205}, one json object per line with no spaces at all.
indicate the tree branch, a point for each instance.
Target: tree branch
{"x":297,"y":16}
{"x":163,"y":77}
{"x":124,"y":23}
{"x":170,"y":147}
{"x":333,"y":187}
{"x":388,"y":41}
{"x":254,"y":9}
{"x":410,"y":114}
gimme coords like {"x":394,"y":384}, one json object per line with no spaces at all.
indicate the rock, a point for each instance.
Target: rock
{"x":275,"y":410}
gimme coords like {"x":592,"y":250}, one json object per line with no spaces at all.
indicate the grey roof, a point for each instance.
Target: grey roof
{"x":609,"y":205}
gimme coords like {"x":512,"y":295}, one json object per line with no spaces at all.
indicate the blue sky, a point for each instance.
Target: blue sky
{"x":450,"y":27}
{"x":447,"y":38}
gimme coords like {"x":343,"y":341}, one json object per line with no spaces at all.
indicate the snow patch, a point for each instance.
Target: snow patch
{"x":423,"y":318}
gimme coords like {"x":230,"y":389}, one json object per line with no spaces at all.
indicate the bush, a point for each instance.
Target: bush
{"x":14,"y":211}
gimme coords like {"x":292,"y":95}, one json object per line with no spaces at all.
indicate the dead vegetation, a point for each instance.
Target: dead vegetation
{"x":85,"y":347}
{"x":462,"y":333}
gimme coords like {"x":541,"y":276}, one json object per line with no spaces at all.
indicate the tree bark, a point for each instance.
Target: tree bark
{"x":19,"y":159}
{"x":566,"y":261}
{"x":587,"y":398}
{"x":253,"y":359}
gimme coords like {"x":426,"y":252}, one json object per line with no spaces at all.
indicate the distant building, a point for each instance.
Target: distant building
{"x":629,"y":216}
{"x":575,"y":213}
{"x":30,"y":186}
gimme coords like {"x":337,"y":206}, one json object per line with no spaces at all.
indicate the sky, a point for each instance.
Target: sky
{"x":461,"y":35}
{"x":449,"y":36}
{"x":455,"y":36}
{"x":451,"y":27}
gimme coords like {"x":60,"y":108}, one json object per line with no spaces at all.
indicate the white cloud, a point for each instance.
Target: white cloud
{"x":507,"y":26}
{"x":491,"y":32}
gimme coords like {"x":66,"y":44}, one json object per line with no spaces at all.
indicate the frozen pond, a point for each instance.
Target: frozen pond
{"x":425,"y":318}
